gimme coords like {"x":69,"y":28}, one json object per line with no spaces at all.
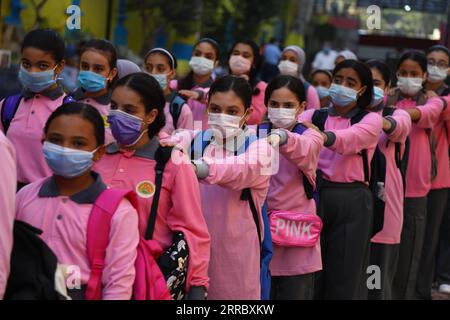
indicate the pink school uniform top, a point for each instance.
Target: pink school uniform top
{"x":27,"y":130}
{"x":394,"y":189}
{"x":298,"y":156}
{"x":234,"y":267}
{"x":179,"y":206}
{"x":341,"y":160}
{"x":102,"y":104}
{"x":258,"y":104}
{"x":418,"y":175}
{"x":64,"y":220}
{"x":7,"y":207}
{"x":185,"y":121}
{"x":312,"y":98}
{"x":442,"y":134}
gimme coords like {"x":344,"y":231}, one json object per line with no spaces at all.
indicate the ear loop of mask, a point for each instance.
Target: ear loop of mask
{"x":140,"y":137}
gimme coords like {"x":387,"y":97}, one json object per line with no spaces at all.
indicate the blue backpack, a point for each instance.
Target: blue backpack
{"x":200,"y":143}
{"x":175,"y":107}
{"x":11,"y":105}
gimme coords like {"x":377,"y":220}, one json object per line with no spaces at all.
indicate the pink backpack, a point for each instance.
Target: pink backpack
{"x":149,"y":283}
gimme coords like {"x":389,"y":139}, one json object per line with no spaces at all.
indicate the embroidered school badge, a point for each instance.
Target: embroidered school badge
{"x":145,"y":189}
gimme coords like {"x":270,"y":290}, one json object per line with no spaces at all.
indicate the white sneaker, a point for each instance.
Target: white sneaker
{"x":444,"y":288}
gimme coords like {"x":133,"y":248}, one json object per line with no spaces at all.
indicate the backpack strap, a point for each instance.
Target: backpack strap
{"x":307,"y":185}
{"x":319,"y":118}
{"x":200,"y":143}
{"x":98,"y":233}
{"x":9,"y":109}
{"x":162,"y":157}
{"x":364,"y":154}
{"x":176,"y":105}
{"x":246,"y":194}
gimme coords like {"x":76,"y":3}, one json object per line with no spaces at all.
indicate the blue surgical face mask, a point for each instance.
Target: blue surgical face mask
{"x":342,"y":96}
{"x":378,"y":96}
{"x":67,"y":163}
{"x":91,"y":81}
{"x":161,"y":78}
{"x":323,"y":92}
{"x":37,"y":81}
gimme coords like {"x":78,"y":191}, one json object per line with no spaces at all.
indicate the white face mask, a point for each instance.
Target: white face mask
{"x":410,"y":86}
{"x":288,"y":68}
{"x":201,"y":66}
{"x":436,"y":74}
{"x":282,"y":118}
{"x":228,"y":126}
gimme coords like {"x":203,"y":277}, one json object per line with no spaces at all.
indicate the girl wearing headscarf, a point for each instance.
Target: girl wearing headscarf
{"x":345,"y":55}
{"x":293,"y":60}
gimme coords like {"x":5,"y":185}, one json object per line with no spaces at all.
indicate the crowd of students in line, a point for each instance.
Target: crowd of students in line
{"x":325,"y":137}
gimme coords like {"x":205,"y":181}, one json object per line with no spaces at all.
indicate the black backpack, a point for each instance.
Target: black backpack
{"x":374,"y":172}
{"x":33,"y":266}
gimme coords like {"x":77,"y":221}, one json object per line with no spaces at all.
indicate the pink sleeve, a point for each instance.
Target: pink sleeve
{"x":119,"y":273}
{"x":303,"y":151}
{"x":251,"y":169}
{"x":430,"y":113}
{"x":186,"y":120}
{"x":403,"y":126}
{"x":446,"y":113}
{"x":186,"y":216}
{"x":312,"y":98}
{"x":7,"y":207}
{"x":363,"y":135}
{"x":306,"y":116}
{"x":259,"y":107}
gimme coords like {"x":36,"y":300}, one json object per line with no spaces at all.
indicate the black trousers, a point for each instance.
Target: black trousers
{"x":347,"y":213}
{"x":443,"y":254}
{"x":385,"y":256}
{"x":437,"y":203}
{"x":413,"y":233}
{"x":299,"y":287}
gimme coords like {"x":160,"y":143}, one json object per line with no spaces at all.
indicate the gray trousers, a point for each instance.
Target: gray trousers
{"x":443,"y":254}
{"x":437,"y":204}
{"x":384,"y":256}
{"x":347,"y":213}
{"x":413,"y":233}
{"x":299,"y":287}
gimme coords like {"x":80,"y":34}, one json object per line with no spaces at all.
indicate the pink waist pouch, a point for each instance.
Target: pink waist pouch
{"x":290,"y":229}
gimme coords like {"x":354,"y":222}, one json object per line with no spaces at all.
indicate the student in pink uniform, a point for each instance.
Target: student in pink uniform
{"x":396,"y":128}
{"x":60,"y":205}
{"x":162,"y":65}
{"x":345,"y":201}
{"x":245,"y":61}
{"x":292,"y":268}
{"x":98,"y":71}
{"x":136,"y":118}
{"x":438,"y":69}
{"x":195,"y":86}
{"x":321,"y":80}
{"x":41,"y":63}
{"x":409,"y":96}
{"x":293,"y":60}
{"x":225,"y":171}
{"x":7,"y":207}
